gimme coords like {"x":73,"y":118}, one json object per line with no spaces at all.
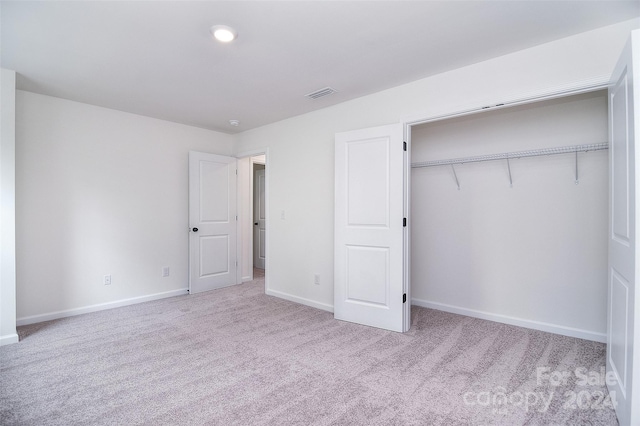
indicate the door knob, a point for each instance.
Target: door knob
{"x":256,"y":223}
{"x":195,"y":229}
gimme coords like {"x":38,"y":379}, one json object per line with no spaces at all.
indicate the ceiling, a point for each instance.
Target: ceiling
{"x":157,"y":58}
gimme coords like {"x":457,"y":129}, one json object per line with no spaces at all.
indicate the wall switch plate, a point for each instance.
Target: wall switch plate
{"x":282,"y":215}
{"x":316,"y":279}
{"x":107,"y":280}
{"x":165,"y":271}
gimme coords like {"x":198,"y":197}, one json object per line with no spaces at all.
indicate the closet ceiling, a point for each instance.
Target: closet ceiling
{"x":156,"y":58}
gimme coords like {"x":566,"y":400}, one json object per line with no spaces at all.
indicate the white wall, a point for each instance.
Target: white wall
{"x":301,"y":149}
{"x":7,"y":214}
{"x":100,"y":192}
{"x":535,"y":252}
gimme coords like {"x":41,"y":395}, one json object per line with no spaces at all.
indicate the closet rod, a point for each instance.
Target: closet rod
{"x":519,"y":154}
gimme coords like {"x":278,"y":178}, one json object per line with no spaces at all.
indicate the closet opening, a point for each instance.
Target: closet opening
{"x":515,"y":239}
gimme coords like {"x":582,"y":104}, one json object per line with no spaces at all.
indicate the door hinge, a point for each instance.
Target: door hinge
{"x":404,"y":146}
{"x":404,"y":221}
{"x":404,"y":298}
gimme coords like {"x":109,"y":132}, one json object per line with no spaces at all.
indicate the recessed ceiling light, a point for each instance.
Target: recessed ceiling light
{"x":234,"y":123}
{"x":223,"y":33}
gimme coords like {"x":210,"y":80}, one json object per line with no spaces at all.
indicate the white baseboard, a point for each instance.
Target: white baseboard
{"x":505,"y":319}
{"x":99,"y":307}
{"x":9,"y":339}
{"x":301,"y":300}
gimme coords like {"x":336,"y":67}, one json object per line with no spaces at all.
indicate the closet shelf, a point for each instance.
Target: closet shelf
{"x":512,"y":155}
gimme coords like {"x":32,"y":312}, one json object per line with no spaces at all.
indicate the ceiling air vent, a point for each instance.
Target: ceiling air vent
{"x":320,"y":93}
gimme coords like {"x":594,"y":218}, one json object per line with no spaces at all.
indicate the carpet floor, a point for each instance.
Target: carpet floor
{"x":238,"y":357}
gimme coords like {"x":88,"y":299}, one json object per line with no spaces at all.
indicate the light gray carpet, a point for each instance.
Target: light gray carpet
{"x":238,"y":357}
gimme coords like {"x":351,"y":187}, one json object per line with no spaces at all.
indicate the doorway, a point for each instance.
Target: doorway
{"x":259,"y":218}
{"x":253,"y":207}
{"x":521,"y":241}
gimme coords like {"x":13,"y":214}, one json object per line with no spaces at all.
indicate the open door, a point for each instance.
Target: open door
{"x":370,"y":228}
{"x":623,"y":340}
{"x":259,"y":220}
{"x":212,"y":221}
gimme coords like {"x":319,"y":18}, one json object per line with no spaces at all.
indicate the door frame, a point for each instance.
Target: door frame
{"x":577,"y":88}
{"x":242,"y":220}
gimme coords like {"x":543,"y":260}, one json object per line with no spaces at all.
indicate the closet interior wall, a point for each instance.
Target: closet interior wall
{"x":534,"y":253}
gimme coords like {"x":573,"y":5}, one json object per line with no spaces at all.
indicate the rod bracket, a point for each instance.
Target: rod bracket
{"x":455,"y":176}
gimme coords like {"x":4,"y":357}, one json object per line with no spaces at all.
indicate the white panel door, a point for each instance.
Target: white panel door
{"x":259,"y":220}
{"x":623,"y":323}
{"x":369,"y":284}
{"x":212,"y":221}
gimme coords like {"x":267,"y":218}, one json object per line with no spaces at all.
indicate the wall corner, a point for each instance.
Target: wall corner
{"x":8,"y":332}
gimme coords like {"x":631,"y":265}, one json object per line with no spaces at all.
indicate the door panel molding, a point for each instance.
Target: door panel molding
{"x":213,"y":212}
{"x":369,"y":261}
{"x":623,"y":325}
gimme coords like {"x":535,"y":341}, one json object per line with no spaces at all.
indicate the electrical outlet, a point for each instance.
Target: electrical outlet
{"x":316,"y":279}
{"x":107,"y":279}
{"x":165,"y":271}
